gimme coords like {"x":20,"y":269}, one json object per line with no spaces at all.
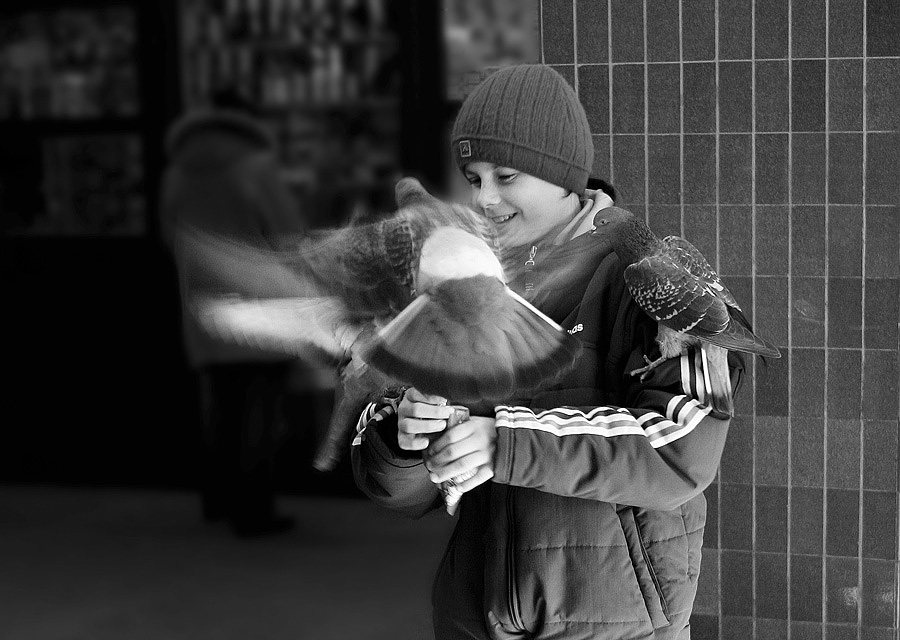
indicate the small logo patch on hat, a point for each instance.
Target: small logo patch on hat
{"x":465,"y":149}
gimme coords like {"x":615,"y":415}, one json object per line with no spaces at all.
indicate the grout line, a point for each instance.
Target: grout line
{"x":785,"y":59}
{"x":609,"y":75}
{"x":646,"y":124}
{"x":825,"y":328}
{"x":753,"y":95}
{"x":541,"y":27}
{"x":681,"y":124}
{"x":862,"y":363}
{"x":790,"y":299}
{"x":575,"y":49}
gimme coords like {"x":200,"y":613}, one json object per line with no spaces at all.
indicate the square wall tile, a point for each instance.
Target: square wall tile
{"x":845,"y":312}
{"x":700,"y":229}
{"x":772,"y":388}
{"x":772,"y":451}
{"x":772,"y":309}
{"x":882,"y":168}
{"x":807,"y":631}
{"x":706,"y":601}
{"x":845,"y":28}
{"x":737,"y":583}
{"x":807,"y":452}
{"x":663,"y":98}
{"x":737,"y":627}
{"x":601,"y":167}
{"x":772,"y":520}
{"x":593,"y":30}
{"x":628,"y":169}
{"x":882,"y":308}
{"x":771,"y":168}
{"x":699,"y":169}
{"x":881,"y":388}
{"x":771,"y":585}
{"x":567,"y":71}
{"x":882,"y":28}
{"x":842,"y":584}
{"x":736,"y":30}
{"x":735,"y":244}
{"x":808,"y":312}
{"x":879,"y":537}
{"x":664,"y":160}
{"x":698,"y":27}
{"x":808,"y":28}
{"x":770,"y":629}
{"x":845,"y":230}
{"x":808,"y":168}
{"x":844,"y":383}
{"x":663,"y":42}
{"x":704,"y":627}
{"x":772,"y":101}
{"x":842,"y":631}
{"x":842,"y":522}
{"x":628,"y":98}
{"x":699,"y":97}
{"x":593,"y":93}
{"x":806,"y":588}
{"x":883,"y":94}
{"x":882,"y":242}
{"x":807,"y":383}
{"x":880,"y":443}
{"x":845,"y":94}
{"x":665,"y":220}
{"x":735,"y":169}
{"x":627,"y":31}
{"x":807,"y":505}
{"x":845,"y":165}
{"x":736,"y":509}
{"x":735,"y":96}
{"x":558,"y":31}
{"x":771,"y":227}
{"x":711,"y":530}
{"x":879,"y":585}
{"x":807,"y":241}
{"x":844,"y":446}
{"x":771,"y":28}
{"x":808,"y":95}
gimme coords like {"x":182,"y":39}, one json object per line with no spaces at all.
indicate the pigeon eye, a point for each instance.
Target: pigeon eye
{"x":602,"y":221}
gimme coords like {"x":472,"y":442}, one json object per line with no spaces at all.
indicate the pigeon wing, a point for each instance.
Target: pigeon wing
{"x":689,"y":257}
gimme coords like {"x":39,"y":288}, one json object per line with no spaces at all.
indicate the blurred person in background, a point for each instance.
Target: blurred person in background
{"x":224,"y":177}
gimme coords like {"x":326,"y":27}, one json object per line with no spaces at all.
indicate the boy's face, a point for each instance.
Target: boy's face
{"x":523,"y":208}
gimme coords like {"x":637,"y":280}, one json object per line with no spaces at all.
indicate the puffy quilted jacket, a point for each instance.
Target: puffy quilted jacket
{"x":593,"y":523}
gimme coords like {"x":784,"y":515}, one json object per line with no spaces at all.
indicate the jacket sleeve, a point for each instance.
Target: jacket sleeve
{"x":657,"y":451}
{"x":388,"y":475}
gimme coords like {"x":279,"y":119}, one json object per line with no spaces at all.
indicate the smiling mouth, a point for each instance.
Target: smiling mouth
{"x":502,"y":219}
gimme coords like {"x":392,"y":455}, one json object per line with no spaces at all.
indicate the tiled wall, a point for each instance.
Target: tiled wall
{"x":765,"y":131}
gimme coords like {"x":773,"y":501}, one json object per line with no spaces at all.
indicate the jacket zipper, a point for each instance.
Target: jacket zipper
{"x":512,"y":595}
{"x":529,"y":269}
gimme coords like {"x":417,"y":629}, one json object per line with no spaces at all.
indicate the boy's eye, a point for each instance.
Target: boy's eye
{"x":507,"y":177}
{"x":474,"y":181}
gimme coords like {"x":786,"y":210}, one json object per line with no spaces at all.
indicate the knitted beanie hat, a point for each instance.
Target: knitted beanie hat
{"x":526,"y":117}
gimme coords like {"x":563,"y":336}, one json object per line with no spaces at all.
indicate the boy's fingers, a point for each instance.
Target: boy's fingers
{"x":415,"y":395}
{"x":413,"y":426}
{"x":481,"y":476}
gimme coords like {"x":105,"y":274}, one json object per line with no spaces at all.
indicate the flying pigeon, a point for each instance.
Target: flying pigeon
{"x":417,"y":298}
{"x":672,"y":282}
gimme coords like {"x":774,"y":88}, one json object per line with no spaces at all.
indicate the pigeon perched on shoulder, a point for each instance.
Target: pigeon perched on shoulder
{"x":418,"y":298}
{"x":673,"y":283}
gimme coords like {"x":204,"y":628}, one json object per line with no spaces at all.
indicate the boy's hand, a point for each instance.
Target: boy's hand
{"x":420,"y":416}
{"x":469,"y":446}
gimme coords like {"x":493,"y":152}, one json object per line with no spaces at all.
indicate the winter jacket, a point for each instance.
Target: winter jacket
{"x":223,"y":177}
{"x":593,"y":522}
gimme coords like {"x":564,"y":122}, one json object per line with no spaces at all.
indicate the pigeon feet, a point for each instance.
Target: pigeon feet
{"x":651,"y":365}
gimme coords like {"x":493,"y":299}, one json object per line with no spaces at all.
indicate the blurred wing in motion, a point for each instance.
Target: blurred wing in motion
{"x":307,"y":328}
{"x":472,"y":339}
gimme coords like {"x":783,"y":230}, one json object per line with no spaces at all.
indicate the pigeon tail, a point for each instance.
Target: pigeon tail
{"x":472,"y":339}
{"x":737,"y":337}
{"x":718,"y":379}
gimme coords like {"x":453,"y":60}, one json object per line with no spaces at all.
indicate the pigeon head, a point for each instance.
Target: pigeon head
{"x":628,"y":234}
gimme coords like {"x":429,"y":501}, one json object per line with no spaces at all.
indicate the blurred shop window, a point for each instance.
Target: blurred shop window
{"x":326,"y":76}
{"x":481,"y":36}
{"x":72,"y":161}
